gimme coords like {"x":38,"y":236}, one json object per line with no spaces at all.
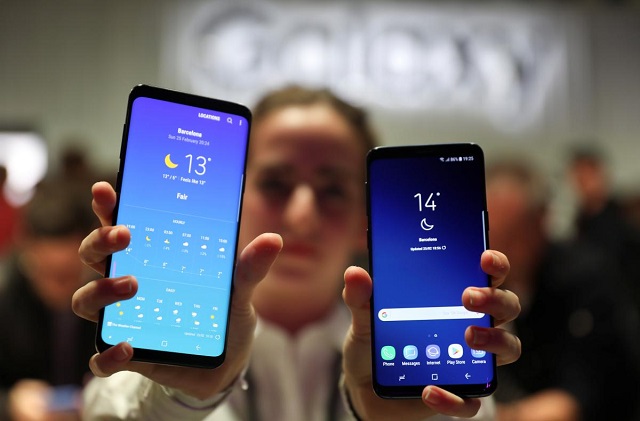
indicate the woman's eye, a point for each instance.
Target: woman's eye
{"x":336,"y":197}
{"x":335,"y":192}
{"x":274,"y":187}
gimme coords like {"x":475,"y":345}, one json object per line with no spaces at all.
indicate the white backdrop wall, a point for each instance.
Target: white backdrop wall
{"x":67,"y":66}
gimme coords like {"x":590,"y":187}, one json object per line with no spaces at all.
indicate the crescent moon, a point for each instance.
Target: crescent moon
{"x":424,"y":225}
{"x":168,"y":162}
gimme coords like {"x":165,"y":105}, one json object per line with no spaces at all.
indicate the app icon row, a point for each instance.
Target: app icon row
{"x":410,"y":352}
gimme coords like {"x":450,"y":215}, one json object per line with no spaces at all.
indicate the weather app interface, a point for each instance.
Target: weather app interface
{"x":180,"y":198}
{"x":428,"y":215}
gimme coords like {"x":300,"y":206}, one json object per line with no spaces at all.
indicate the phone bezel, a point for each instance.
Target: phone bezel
{"x":147,"y":91}
{"x":412,"y":151}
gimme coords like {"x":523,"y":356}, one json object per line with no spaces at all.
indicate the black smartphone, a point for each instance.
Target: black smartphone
{"x":179,"y":189}
{"x":427,"y":229}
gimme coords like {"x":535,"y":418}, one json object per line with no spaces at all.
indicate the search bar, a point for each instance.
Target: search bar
{"x":427,"y":313}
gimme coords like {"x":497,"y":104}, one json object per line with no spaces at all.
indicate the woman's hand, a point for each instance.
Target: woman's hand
{"x":253,"y":263}
{"x":503,"y":305}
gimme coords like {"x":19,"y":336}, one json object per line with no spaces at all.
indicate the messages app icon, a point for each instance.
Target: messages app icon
{"x":388,"y":353}
{"x":410,"y":352}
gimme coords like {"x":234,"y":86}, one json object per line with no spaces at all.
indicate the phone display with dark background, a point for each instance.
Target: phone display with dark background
{"x":180,"y":185}
{"x":427,"y":231}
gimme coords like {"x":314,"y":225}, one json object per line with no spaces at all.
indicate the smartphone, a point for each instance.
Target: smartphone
{"x":179,"y":190}
{"x":427,"y":229}
{"x":66,"y":398}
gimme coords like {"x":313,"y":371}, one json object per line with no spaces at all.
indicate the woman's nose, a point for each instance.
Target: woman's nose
{"x":302,"y":214}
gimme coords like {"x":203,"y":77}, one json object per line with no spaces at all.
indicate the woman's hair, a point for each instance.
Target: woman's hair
{"x":294,"y":95}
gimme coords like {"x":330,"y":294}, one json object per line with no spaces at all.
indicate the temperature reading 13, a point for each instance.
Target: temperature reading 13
{"x":429,"y":203}
{"x":201,"y":163}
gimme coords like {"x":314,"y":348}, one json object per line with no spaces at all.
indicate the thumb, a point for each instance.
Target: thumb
{"x":356,"y":295}
{"x":253,"y":265}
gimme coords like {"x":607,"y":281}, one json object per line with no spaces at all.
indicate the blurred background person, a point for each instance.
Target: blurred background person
{"x":45,"y":347}
{"x":577,"y":329}
{"x":9,"y":218}
{"x":77,"y":168}
{"x":601,"y":219}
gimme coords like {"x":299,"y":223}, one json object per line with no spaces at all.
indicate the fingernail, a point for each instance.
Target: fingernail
{"x":113,"y":235}
{"x":122,"y":286}
{"x":473,"y":296}
{"x":497,"y":262}
{"x":480,"y":337}
{"x":122,"y":354}
{"x":431,"y":397}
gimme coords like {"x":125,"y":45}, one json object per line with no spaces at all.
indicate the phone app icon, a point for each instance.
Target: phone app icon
{"x":433,"y":351}
{"x":410,"y":352}
{"x":478,"y":353}
{"x":455,"y":351}
{"x":388,"y":353}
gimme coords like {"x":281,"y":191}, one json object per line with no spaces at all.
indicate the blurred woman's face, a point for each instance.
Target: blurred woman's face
{"x":305,"y":181}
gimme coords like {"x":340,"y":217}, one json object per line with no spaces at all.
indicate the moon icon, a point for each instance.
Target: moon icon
{"x":168,"y":162}
{"x":425,"y":225}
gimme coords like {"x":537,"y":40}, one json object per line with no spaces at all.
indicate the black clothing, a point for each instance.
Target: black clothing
{"x":29,"y":349}
{"x":612,"y":233}
{"x":579,"y":335}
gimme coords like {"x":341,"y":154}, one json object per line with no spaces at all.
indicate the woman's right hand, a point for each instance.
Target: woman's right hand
{"x":253,"y":263}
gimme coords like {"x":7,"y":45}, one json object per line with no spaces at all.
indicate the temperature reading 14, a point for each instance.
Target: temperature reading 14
{"x":429,"y":203}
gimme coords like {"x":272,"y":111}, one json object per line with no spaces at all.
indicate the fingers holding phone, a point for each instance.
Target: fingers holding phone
{"x":427,"y":231}
{"x":179,"y":194}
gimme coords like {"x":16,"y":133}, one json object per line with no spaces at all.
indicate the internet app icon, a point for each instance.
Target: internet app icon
{"x":410,"y":352}
{"x":433,"y":351}
{"x":388,"y":353}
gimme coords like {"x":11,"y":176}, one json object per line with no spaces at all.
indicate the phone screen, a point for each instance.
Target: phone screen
{"x":427,"y":230}
{"x":179,"y":193}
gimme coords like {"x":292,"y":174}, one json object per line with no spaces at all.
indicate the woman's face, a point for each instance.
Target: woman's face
{"x":305,"y":181}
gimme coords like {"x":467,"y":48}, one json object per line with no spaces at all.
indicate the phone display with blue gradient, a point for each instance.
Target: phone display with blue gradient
{"x":427,"y":231}
{"x":180,"y":186}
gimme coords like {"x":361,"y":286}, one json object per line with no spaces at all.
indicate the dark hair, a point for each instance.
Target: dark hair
{"x":522,"y":172}
{"x":59,"y":209}
{"x":586,"y":151}
{"x":297,"y":95}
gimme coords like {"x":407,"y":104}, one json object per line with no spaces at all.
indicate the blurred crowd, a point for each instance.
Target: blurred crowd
{"x":579,"y":296}
{"x":45,"y":346}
